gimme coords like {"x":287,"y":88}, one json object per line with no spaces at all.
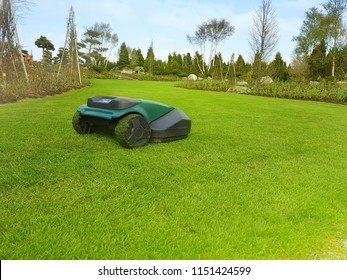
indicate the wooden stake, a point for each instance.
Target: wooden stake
{"x":71,"y":32}
{"x":17,"y":41}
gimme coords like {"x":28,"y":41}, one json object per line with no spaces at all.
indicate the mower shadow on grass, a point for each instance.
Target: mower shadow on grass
{"x":103,"y":131}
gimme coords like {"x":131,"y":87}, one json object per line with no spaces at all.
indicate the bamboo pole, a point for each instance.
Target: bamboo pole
{"x":17,"y":41}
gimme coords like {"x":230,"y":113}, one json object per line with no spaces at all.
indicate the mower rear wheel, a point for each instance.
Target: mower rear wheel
{"x":133,"y":131}
{"x":80,"y":125}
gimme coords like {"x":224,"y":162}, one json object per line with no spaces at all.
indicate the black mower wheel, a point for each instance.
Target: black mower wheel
{"x":81,"y":126}
{"x":133,"y":131}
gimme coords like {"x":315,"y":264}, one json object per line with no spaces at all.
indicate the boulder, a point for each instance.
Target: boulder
{"x":139,"y":70}
{"x":127,"y":71}
{"x":266,"y":80}
{"x":242,"y":83}
{"x":314,"y":83}
{"x":342,"y":84}
{"x":192,"y":77}
{"x":239,"y":89}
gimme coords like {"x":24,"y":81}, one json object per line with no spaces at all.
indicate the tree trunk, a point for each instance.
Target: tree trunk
{"x":334,"y":59}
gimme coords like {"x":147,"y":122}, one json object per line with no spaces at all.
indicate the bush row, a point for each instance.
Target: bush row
{"x":325,"y":91}
{"x":43,"y":81}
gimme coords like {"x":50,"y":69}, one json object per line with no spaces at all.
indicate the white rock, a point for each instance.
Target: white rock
{"x":242,"y":83}
{"x":266,"y":80}
{"x":192,"y":77}
{"x":239,"y":89}
{"x":127,"y":71}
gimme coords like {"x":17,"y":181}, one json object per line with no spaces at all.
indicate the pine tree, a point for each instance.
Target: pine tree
{"x":240,"y":66}
{"x":342,"y":60}
{"x":278,"y":68}
{"x":318,"y":62}
{"x":257,"y":66}
{"x":140,"y":58}
{"x":159,"y":67}
{"x":46,"y":46}
{"x":174,"y":63}
{"x":218,"y":71}
{"x":187,"y":63}
{"x":150,"y":59}
{"x":170,"y":62}
{"x":123,"y":60}
{"x":133,"y":59}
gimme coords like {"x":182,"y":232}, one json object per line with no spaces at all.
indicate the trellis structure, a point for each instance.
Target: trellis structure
{"x":72,"y":50}
{"x":11,"y":55}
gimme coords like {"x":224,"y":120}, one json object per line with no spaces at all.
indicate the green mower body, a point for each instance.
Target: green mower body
{"x":135,"y":121}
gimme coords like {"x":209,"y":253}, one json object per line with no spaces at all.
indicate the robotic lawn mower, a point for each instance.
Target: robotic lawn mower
{"x":135,"y":121}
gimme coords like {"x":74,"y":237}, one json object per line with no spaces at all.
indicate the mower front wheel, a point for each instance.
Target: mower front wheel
{"x":80,"y":125}
{"x":133,"y":131}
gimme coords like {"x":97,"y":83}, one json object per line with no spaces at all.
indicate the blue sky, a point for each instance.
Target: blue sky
{"x":166,"y":22}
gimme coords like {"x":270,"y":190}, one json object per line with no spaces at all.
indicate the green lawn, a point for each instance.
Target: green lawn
{"x":258,"y":178}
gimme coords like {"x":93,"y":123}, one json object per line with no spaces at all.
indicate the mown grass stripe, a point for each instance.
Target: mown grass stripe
{"x":258,"y":178}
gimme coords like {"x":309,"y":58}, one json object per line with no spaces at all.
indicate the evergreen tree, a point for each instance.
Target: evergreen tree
{"x":123,"y":60}
{"x":97,"y":45}
{"x":199,"y":65}
{"x":159,"y":67}
{"x":278,"y":68}
{"x":317,"y":62}
{"x":170,"y":62}
{"x":175,"y":62}
{"x":187,"y":63}
{"x":150,"y":59}
{"x":240,"y":67}
{"x":218,"y":67}
{"x":140,"y":58}
{"x":91,"y":43}
{"x":257,"y":66}
{"x":47,"y":56}
{"x":133,"y":59}
{"x":46,"y":46}
{"x":179,"y":62}
{"x":57,"y":59}
{"x":342,"y":62}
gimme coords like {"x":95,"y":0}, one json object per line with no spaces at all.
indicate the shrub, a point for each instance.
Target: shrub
{"x":211,"y":85}
{"x":43,"y":81}
{"x":324,"y":91}
{"x":147,"y":77}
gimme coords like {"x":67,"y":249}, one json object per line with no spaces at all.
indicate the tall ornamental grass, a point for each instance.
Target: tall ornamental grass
{"x":43,"y":81}
{"x":331,"y":92}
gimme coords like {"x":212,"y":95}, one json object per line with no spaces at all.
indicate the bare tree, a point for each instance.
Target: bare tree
{"x":212,"y":31}
{"x":21,"y":7}
{"x":264,"y":33}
